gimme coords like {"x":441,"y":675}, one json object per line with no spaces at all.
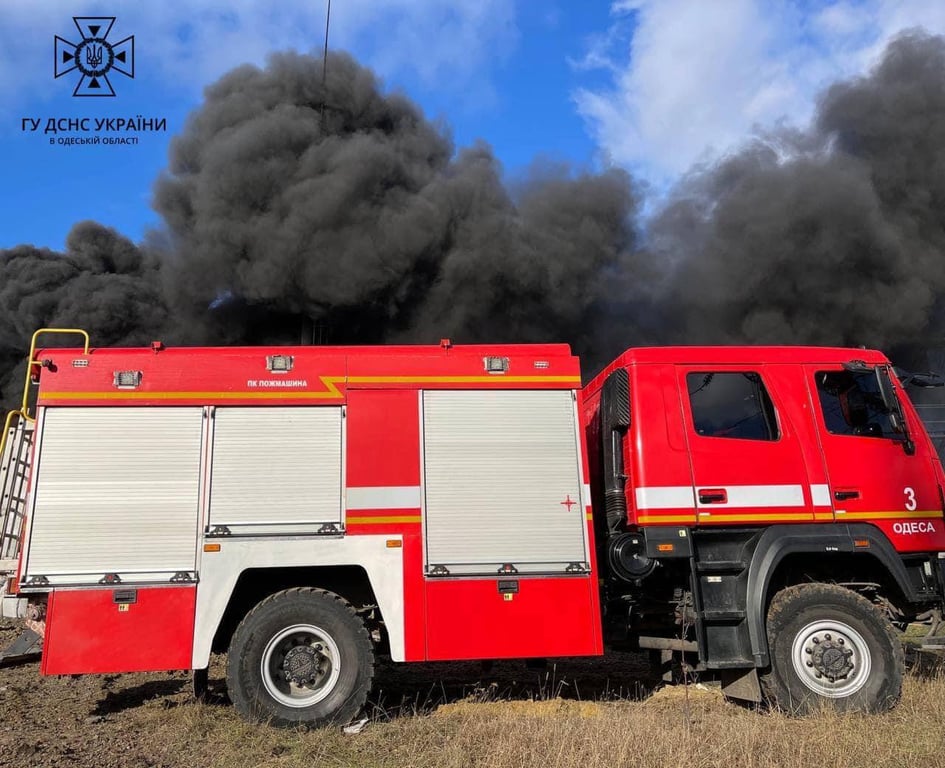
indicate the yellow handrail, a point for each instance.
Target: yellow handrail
{"x":24,"y":412}
{"x":31,"y":362}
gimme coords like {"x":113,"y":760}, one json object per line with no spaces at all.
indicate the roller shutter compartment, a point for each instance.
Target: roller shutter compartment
{"x":276,"y":469}
{"x":502,"y":482}
{"x":117,"y":492}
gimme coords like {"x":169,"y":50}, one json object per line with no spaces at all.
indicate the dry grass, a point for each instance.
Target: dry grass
{"x":571,"y":715}
{"x":670,"y":728}
{"x":155,"y":723}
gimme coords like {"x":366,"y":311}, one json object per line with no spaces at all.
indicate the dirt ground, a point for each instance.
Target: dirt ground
{"x":99,"y":721}
{"x":594,"y":713}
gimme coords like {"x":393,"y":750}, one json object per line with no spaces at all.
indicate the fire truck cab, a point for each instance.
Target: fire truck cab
{"x":768,"y":515}
{"x":769,"y":509}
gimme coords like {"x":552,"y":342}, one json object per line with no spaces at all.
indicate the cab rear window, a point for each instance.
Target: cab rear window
{"x":731,"y":404}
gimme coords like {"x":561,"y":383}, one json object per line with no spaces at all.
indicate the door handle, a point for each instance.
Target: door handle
{"x":712,"y":496}
{"x":845,"y":495}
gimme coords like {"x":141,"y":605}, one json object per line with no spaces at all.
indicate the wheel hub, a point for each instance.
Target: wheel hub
{"x":302,"y":665}
{"x":830,"y":657}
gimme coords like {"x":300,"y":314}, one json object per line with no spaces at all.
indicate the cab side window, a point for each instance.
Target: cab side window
{"x":733,"y":405}
{"x":853,"y":405}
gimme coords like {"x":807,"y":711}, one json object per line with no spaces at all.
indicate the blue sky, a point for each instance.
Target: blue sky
{"x":650,"y":85}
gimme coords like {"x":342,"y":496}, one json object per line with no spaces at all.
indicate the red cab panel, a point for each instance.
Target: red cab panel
{"x":489,"y":619}
{"x":872,"y":477}
{"x":659,"y":489}
{"x":119,"y":629}
{"x":748,"y":462}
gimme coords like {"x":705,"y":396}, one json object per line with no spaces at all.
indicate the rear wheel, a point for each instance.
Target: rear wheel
{"x":300,"y":657}
{"x":831,"y":646}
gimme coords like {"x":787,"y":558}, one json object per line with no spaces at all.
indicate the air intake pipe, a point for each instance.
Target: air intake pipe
{"x":614,"y":422}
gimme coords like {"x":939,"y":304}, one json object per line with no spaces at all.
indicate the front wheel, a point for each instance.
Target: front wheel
{"x":830,"y":646}
{"x":300,"y":657}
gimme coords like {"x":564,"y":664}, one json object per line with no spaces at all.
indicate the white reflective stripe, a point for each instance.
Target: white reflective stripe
{"x":665,"y":497}
{"x":585,"y":495}
{"x":384,"y":497}
{"x":820,"y":495}
{"x":758,"y":496}
{"x":738,"y":496}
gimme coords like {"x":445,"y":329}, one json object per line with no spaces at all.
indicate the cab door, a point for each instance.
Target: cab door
{"x":876,"y":472}
{"x":747,"y":462}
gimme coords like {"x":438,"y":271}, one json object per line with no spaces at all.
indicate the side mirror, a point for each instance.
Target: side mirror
{"x":891,"y":400}
{"x":924,"y":380}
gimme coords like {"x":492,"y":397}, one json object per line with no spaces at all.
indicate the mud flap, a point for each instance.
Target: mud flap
{"x":741,"y":684}
{"x":26,"y":647}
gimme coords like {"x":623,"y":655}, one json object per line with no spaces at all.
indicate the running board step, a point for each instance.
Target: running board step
{"x":726,"y":616}
{"x":720,"y":566}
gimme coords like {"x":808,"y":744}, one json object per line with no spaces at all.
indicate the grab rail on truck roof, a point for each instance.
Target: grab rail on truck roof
{"x":23,"y":412}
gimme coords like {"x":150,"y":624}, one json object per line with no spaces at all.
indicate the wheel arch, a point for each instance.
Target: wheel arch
{"x":364,"y":570}
{"x":254,"y":585}
{"x":781,"y":547}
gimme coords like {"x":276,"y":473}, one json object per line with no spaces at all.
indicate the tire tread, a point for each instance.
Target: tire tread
{"x":774,"y":688}
{"x":364,"y":650}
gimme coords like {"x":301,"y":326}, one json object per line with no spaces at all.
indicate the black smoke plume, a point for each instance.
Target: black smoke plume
{"x":345,"y":207}
{"x":102,"y":283}
{"x":831,"y":236}
{"x":339,"y":212}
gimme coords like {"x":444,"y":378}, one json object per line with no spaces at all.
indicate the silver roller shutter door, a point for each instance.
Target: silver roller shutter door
{"x":276,"y":469}
{"x":497,"y":467}
{"x":117,"y":491}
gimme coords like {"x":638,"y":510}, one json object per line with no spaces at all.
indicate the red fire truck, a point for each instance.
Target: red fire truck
{"x":772,"y":514}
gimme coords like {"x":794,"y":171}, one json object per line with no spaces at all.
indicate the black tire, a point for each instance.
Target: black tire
{"x":300,"y":631}
{"x":831,"y":647}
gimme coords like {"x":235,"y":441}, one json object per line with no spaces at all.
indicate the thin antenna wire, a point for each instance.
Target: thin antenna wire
{"x":312,"y":332}
{"x":321,"y":115}
{"x":325,"y":60}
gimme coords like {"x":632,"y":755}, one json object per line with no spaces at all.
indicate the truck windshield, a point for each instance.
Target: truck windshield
{"x":853,"y":405}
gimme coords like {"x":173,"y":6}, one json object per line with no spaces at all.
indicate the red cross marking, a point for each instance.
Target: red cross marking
{"x":568,"y":502}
